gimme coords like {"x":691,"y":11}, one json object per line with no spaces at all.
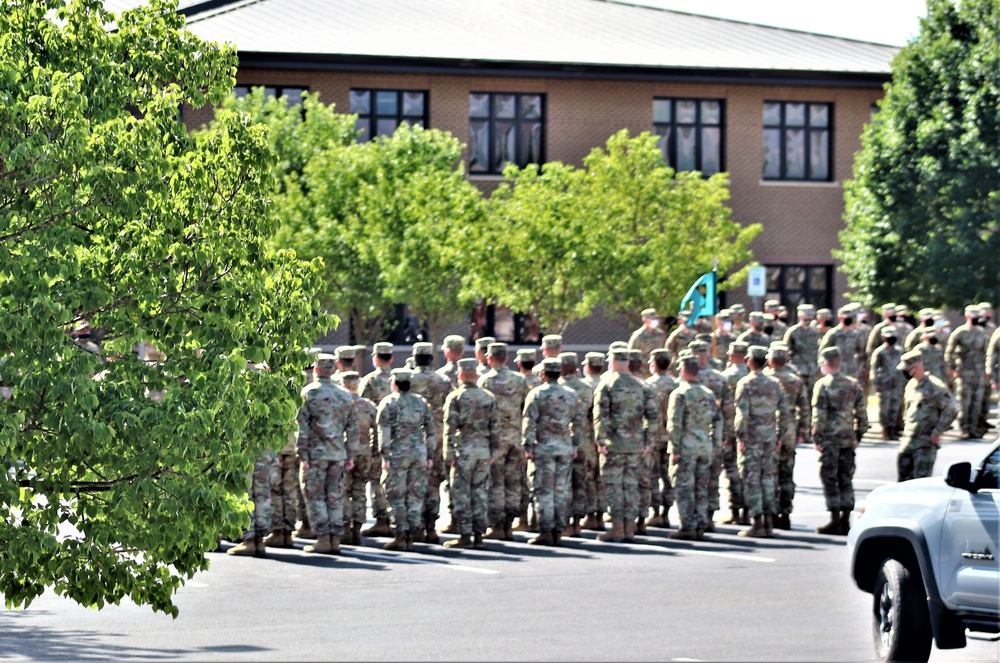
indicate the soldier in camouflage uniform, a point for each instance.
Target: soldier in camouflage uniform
{"x":930,"y":409}
{"x":965,"y":358}
{"x":772,"y":307}
{"x":739,"y":320}
{"x":761,"y":421}
{"x":374,"y":387}
{"x":407,"y":439}
{"x":903,"y":326}
{"x":509,"y":390}
{"x":586,"y":454}
{"x":482,"y":343}
{"x":888,"y":381}
{"x":551,"y":349}
{"x":850,"y":343}
{"x":802,"y":340}
{"x":986,"y":317}
{"x":736,"y":371}
{"x":552,"y":428}
{"x":993,"y":362}
{"x":824,"y":321}
{"x":471,"y":442}
{"x":840,"y":419}
{"x":263,"y":477}
{"x":932,"y":353}
{"x":284,"y":495}
{"x":875,"y":337}
{"x":625,"y":426}
{"x":525,"y":366}
{"x":679,"y":339}
{"x":596,"y":504}
{"x":723,"y":336}
{"x":755,"y":334}
{"x":327,"y":444}
{"x":716,"y":383}
{"x":798,"y":430}
{"x":695,"y":431}
{"x":926,"y":317}
{"x":648,"y":337}
{"x":453,"y":347}
{"x":344,"y":356}
{"x":649,"y":485}
{"x":356,"y":479}
{"x":663,"y":384}
{"x":434,"y":388}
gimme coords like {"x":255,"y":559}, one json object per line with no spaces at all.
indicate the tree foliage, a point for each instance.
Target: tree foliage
{"x":923,"y":208}
{"x":113,"y":215}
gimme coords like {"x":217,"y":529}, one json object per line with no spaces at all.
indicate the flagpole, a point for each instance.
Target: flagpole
{"x":715,"y":304}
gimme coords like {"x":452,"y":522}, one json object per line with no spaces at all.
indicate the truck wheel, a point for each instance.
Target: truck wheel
{"x":901,"y":625}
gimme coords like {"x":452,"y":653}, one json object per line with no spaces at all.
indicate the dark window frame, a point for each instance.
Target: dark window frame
{"x":279,"y":90}
{"x":518,"y":121}
{"x":373,"y":116}
{"x":808,"y":129}
{"x":819,"y":297}
{"x":671,"y":149}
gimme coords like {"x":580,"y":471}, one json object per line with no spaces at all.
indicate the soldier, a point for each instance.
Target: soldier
{"x":551,"y":349}
{"x":649,"y":488}
{"x":850,"y":343}
{"x":965,"y":358}
{"x":993,"y":361}
{"x":824,"y":321}
{"x":739,"y":321}
{"x":926,"y":316}
{"x":737,"y":370}
{"x":839,"y":421}
{"x":328,"y":441}
{"x":903,"y":326}
{"x":659,"y":459}
{"x":986,"y":318}
{"x":802,"y":340}
{"x":356,"y":479}
{"x":482,"y":344}
{"x":648,"y":337}
{"x":596,"y":503}
{"x":453,"y":347}
{"x":798,"y":431}
{"x":695,"y":430}
{"x":552,"y":428}
{"x":875,"y":337}
{"x":755,"y":335}
{"x":933,"y":355}
{"x":624,"y":427}
{"x":679,"y":338}
{"x":344,"y":355}
{"x":374,"y":387}
{"x":406,"y":438}
{"x":471,"y":442}
{"x":285,"y":493}
{"x":716,"y":383}
{"x":723,"y":336}
{"x":262,"y":479}
{"x":585,"y":460}
{"x":509,"y":390}
{"x":761,"y":420}
{"x":526,"y":365}
{"x":888,"y":381}
{"x":930,"y":409}
{"x":772,"y":307}
{"x":434,"y":388}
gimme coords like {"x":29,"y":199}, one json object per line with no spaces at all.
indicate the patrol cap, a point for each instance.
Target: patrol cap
{"x":756,"y":316}
{"x":972,"y":309}
{"x":737,"y":308}
{"x":928,"y":331}
{"x":551,"y":365}
{"x":314,"y":351}
{"x":453,"y":342}
{"x":807,"y":309}
{"x":401,"y":374}
{"x":659,"y":353}
{"x":350,"y":377}
{"x":926,"y":314}
{"x":527,"y":354}
{"x":909,"y":359}
{"x":649,"y":313}
{"x":619,"y":354}
{"x":771,"y":303}
{"x":832,"y":352}
{"x":595,"y":358}
{"x":824,"y":313}
{"x":484,"y":342}
{"x":758,"y":352}
{"x":769,"y":317}
{"x":985,"y":307}
{"x":724,"y":315}
{"x":568,"y":359}
{"x":698,"y":346}
{"x":494,"y":348}
{"x":902,"y":309}
{"x":468,"y":364}
{"x":889,"y":308}
{"x":704,"y":337}
{"x":738,"y":347}
{"x":359,"y":350}
{"x":635,"y":355}
{"x":552,"y":341}
{"x":688,"y":362}
{"x":845,"y":310}
{"x":382,"y":349}
{"x":423,"y":348}
{"x":889,"y":330}
{"x":345,"y":352}
{"x":326,"y":361}
{"x":777,"y":351}
{"x":617,"y":344}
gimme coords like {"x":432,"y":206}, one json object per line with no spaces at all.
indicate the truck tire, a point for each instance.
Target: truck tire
{"x":901,"y":626}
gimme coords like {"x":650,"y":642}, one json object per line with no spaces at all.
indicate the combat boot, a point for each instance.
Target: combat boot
{"x":733,"y":519}
{"x":416,"y":536}
{"x":699,"y":534}
{"x":711,"y":522}
{"x":768,"y":526}
{"x":832,"y":527}
{"x":657,"y":519}
{"x":305,"y":532}
{"x":463,"y":541}
{"x":544,"y":538}
{"x":321,"y":546}
{"x":845,"y":521}
{"x":248,"y":548}
{"x":356,"y":532}
{"x":398,"y":543}
{"x":477,"y":541}
{"x":666,"y":518}
{"x":556,"y":538}
{"x":640,"y":526}
{"x":757,"y":529}
{"x":508,"y":528}
{"x":782,"y":521}
{"x":630,"y":528}
{"x":380,"y":528}
{"x":568,"y":530}
{"x":348,"y":538}
{"x":279,"y":538}
{"x":593,"y":522}
{"x":522,"y":522}
{"x":616,"y":534}
{"x":683,"y":535}
{"x":408,"y":541}
{"x":495,"y":532}
{"x":744,"y":516}
{"x":430,"y":533}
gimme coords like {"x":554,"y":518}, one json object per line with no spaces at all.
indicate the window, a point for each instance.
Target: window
{"x":690,"y":133}
{"x":505,"y":128}
{"x":292,"y":93}
{"x":503,"y":324}
{"x":800,"y":284}
{"x":797,"y":140}
{"x":381,"y":111}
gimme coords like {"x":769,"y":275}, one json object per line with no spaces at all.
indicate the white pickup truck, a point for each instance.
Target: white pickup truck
{"x":928,"y":550}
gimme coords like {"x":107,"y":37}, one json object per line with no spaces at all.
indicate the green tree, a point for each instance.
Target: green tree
{"x":113,"y":215}
{"x":923,"y":208}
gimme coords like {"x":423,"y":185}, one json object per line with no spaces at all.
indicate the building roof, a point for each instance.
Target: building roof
{"x":574,"y":36}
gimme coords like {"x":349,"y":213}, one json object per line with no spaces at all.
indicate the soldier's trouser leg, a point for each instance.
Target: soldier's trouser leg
{"x":836,"y":471}
{"x":434,"y":477}
{"x":460,"y":481}
{"x":602,"y":489}
{"x":984,"y":408}
{"x":541,"y":475}
{"x":505,"y":482}
{"x":682,"y":476}
{"x":301,"y":512}
{"x":265,"y":475}
{"x":655,"y":495}
{"x":786,"y":473}
{"x":729,"y":462}
{"x":751,"y":463}
{"x":284,"y":493}
{"x":714,"y":473}
{"x":583,"y":495}
{"x":968,"y":393}
{"x":904,"y":465}
{"x":620,"y":472}
{"x":479,"y":490}
{"x":405,"y":486}
{"x":644,"y":481}
{"x":667,"y":494}
{"x":380,"y":503}
{"x":525,"y":484}
{"x":323,"y":485}
{"x":355,"y":482}
{"x":561,"y":490}
{"x":769,"y":480}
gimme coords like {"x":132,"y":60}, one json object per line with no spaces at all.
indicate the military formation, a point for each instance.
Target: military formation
{"x":612,"y":441}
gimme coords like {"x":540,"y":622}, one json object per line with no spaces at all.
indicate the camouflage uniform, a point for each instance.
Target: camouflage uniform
{"x":596,"y":502}
{"x":284,"y":489}
{"x":262,"y":480}
{"x":839,"y":420}
{"x":992,"y":358}
{"x":930,"y":410}
{"x":552,"y":427}
{"x":407,"y":439}
{"x":358,"y":477}
{"x":966,"y":355}
{"x":695,"y":430}
{"x":434,"y":388}
{"x":508,"y":388}
{"x":716,"y":383}
{"x":374,"y":387}
{"x":852,"y":349}
{"x":761,"y":420}
{"x":471,"y":438}
{"x":328,"y":437}
{"x":798,"y":429}
{"x":754,"y":335}
{"x":889,"y":384}
{"x":933,"y":357}
{"x":646,"y":340}
{"x":531,"y":380}
{"x":733,"y":374}
{"x":585,"y":462}
{"x":803,"y":352}
{"x":677,"y":341}
{"x":663,"y":385}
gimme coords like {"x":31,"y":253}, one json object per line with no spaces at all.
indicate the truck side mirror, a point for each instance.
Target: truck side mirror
{"x":958,"y":476}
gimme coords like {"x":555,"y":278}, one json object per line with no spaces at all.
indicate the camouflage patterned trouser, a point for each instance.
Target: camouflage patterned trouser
{"x":505,"y":481}
{"x":969,"y":394}
{"x":690,"y":480}
{"x":667,"y":492}
{"x":649,"y":482}
{"x":620,"y":472}
{"x":984,"y":409}
{"x":285,"y":493}
{"x":265,"y":475}
{"x":836,"y":471}
{"x":323,"y":487}
{"x":469,"y":483}
{"x":550,"y":480}
{"x":714,"y":476}
{"x":758,"y":467}
{"x":380,"y":503}
{"x":786,"y":472}
{"x":584,"y":484}
{"x":435,"y":477}
{"x":916,"y":463}
{"x":890,"y":403}
{"x":405,"y":485}
{"x":355,"y":482}
{"x":732,"y":469}
{"x":525,"y":485}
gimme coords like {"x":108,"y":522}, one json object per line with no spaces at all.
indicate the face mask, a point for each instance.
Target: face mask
{"x":727,"y":326}
{"x":892,"y":318}
{"x":848,"y":322}
{"x":653,"y":324}
{"x":891,"y":340}
{"x":932,"y":341}
{"x":905,"y":375}
{"x":824,"y":369}
{"x":929,"y":322}
{"x":977,"y":322}
{"x":828,"y":323}
{"x":941,"y":323}
{"x":769,"y":329}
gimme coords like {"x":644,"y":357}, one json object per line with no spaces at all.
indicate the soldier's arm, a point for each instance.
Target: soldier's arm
{"x":951,"y":351}
{"x":383,"y":420}
{"x":352,"y":433}
{"x":741,"y":410}
{"x":528,"y":421}
{"x":430,"y":432}
{"x":577,"y":425}
{"x":302,"y":442}
{"x":651,"y":417}
{"x":494,"y":427}
{"x":728,"y":413}
{"x":602,"y":408}
{"x":819,"y":415}
{"x":804,"y":416}
{"x":784,"y":414}
{"x":949,"y":410}
{"x":860,"y":413}
{"x":451,"y":416}
{"x":675,"y":415}
{"x":718,"y":425}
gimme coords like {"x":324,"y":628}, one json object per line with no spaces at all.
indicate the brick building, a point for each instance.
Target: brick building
{"x":532,"y":81}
